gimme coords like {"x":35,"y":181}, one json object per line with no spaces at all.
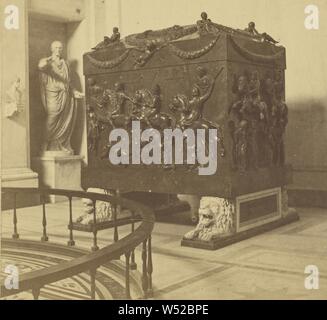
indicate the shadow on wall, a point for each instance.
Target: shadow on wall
{"x":77,"y":136}
{"x":306,"y":143}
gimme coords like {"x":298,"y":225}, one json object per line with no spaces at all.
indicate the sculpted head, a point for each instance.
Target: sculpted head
{"x":269,"y":86}
{"x":242,"y":84}
{"x":255,"y":75}
{"x":251,"y":25}
{"x":119,"y":86}
{"x":138,"y":96}
{"x":209,"y":209}
{"x":201,"y":71}
{"x":57,"y":48}
{"x":195,"y":91}
{"x":204,"y":16}
{"x":156,"y":90}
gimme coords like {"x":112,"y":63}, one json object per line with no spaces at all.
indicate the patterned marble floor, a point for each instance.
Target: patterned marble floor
{"x":268,"y":266}
{"x":28,"y":258}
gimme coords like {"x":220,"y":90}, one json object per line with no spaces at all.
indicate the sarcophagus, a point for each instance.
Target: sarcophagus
{"x":199,"y":76}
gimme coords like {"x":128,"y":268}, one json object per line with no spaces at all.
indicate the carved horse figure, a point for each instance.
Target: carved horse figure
{"x":188,"y":118}
{"x":147,"y":109}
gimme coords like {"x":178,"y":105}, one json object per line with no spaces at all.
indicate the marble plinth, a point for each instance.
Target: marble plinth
{"x":59,"y":171}
{"x":19,"y":178}
{"x":223,"y":222}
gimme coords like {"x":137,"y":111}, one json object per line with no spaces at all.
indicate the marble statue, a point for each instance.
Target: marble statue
{"x":216,"y":218}
{"x":14,"y":99}
{"x":104,"y":210}
{"x":59,"y":100}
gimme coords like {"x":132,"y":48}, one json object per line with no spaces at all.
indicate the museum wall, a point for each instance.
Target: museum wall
{"x":306,"y":75}
{"x":14,"y":106}
{"x":13,"y":135}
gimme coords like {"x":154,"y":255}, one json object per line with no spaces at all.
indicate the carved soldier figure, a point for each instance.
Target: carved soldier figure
{"x":279,"y":123}
{"x":241,"y":146}
{"x":261,"y":109}
{"x":118,"y":99}
{"x":204,"y":81}
{"x":196,"y":104}
{"x":278,"y":117}
{"x":93,"y":131}
{"x":247,"y":111}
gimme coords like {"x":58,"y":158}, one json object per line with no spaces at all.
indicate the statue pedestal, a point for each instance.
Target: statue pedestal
{"x":223,"y":222}
{"x":59,"y":170}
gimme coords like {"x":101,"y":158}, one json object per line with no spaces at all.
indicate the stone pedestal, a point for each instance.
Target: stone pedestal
{"x":223,"y":222}
{"x":59,"y":171}
{"x":19,"y":178}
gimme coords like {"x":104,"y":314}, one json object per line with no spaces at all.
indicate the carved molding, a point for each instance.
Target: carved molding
{"x":254,"y":56}
{"x":193,"y":54}
{"x":160,"y":36}
{"x":108,"y":64}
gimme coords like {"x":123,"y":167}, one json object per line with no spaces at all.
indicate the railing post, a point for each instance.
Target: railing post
{"x":71,"y":241}
{"x":117,"y":210}
{"x":133,"y":265}
{"x":93,"y":286}
{"x":44,"y":237}
{"x":36,"y":293}
{"x":95,"y":240}
{"x":144,"y":270}
{"x":15,"y":234}
{"x":150,"y":268}
{"x":127,"y":279}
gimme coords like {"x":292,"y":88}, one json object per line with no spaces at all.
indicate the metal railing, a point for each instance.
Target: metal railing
{"x":126,"y":246}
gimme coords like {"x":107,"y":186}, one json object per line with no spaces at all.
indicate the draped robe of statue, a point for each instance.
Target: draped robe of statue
{"x":60,"y":106}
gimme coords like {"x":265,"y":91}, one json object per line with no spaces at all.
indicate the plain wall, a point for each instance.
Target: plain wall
{"x":14,"y":131}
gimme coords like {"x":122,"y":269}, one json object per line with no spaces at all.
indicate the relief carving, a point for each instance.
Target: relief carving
{"x":259,"y":122}
{"x":14,"y":99}
{"x":117,"y":109}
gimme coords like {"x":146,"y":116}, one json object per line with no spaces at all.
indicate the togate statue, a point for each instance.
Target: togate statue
{"x":58,"y":99}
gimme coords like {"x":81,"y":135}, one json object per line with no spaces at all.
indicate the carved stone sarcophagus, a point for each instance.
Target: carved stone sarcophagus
{"x":199,"y":76}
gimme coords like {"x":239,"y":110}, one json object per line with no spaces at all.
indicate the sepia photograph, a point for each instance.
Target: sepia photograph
{"x":163,"y":150}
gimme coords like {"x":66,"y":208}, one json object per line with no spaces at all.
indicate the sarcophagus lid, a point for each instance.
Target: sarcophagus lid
{"x":198,"y":76}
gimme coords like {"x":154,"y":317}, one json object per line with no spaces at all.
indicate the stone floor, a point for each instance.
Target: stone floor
{"x":268,"y":266}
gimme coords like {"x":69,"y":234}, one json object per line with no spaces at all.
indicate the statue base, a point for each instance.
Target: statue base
{"x":223,"y":222}
{"x":59,"y":170}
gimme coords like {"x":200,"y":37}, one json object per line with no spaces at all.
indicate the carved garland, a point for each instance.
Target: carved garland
{"x":192,"y":54}
{"x":160,"y":36}
{"x":254,"y":56}
{"x":108,"y":64}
